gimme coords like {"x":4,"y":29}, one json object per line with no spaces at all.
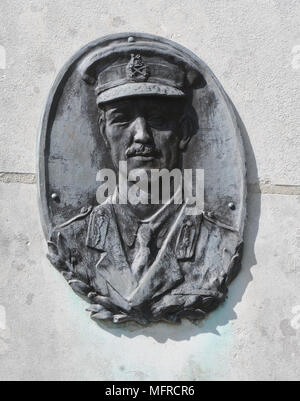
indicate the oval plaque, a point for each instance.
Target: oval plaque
{"x":152,"y":104}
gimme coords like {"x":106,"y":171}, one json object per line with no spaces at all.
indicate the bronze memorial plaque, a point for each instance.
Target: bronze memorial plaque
{"x":142,"y":185}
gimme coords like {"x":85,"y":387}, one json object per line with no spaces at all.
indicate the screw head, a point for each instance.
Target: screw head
{"x":55,"y":197}
{"x":231,"y":206}
{"x":131,"y":39}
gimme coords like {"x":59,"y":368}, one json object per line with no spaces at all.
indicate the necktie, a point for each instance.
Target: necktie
{"x":142,"y":257}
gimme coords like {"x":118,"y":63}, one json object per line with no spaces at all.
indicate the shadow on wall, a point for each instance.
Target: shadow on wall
{"x":162,"y":332}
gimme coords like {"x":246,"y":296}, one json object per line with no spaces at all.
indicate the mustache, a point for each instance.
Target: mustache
{"x":142,"y":150}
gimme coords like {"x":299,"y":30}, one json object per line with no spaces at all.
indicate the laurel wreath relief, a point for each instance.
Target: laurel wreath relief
{"x":117,"y":309}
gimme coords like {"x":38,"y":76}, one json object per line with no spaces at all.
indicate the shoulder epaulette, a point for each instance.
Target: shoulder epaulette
{"x":84,"y":213}
{"x":212,"y":219}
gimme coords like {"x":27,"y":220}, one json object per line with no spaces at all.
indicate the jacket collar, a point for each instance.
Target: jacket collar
{"x":129,"y":223}
{"x":180,"y":244}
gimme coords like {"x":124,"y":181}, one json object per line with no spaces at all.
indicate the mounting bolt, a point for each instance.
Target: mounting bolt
{"x":231,"y":206}
{"x":55,"y":197}
{"x":131,"y":39}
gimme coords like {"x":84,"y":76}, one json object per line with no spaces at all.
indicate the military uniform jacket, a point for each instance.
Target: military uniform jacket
{"x":197,"y":258}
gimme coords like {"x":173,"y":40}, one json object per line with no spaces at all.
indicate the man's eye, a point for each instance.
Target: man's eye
{"x":158,"y":121}
{"x":120,"y":119}
{"x":158,"y":118}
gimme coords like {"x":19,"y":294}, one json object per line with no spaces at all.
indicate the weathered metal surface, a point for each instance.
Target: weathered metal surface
{"x":175,"y":265}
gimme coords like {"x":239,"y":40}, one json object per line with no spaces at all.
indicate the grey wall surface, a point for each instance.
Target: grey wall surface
{"x":253,"y":47}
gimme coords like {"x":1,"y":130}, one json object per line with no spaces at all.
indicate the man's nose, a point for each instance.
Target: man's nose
{"x":141,"y":132}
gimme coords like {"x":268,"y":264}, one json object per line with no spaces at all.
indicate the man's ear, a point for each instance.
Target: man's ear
{"x":183,"y":144}
{"x":188,"y":125}
{"x":101,"y":124}
{"x":185,"y":132}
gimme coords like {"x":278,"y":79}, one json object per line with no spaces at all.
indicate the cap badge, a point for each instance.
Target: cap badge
{"x":137,"y":70}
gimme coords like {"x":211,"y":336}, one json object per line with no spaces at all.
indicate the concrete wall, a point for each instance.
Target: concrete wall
{"x":253,"y":47}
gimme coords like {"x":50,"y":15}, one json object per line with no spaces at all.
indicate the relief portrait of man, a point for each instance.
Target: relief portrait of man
{"x":145,"y":262}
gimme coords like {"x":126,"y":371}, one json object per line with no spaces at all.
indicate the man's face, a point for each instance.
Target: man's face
{"x":144,"y":132}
